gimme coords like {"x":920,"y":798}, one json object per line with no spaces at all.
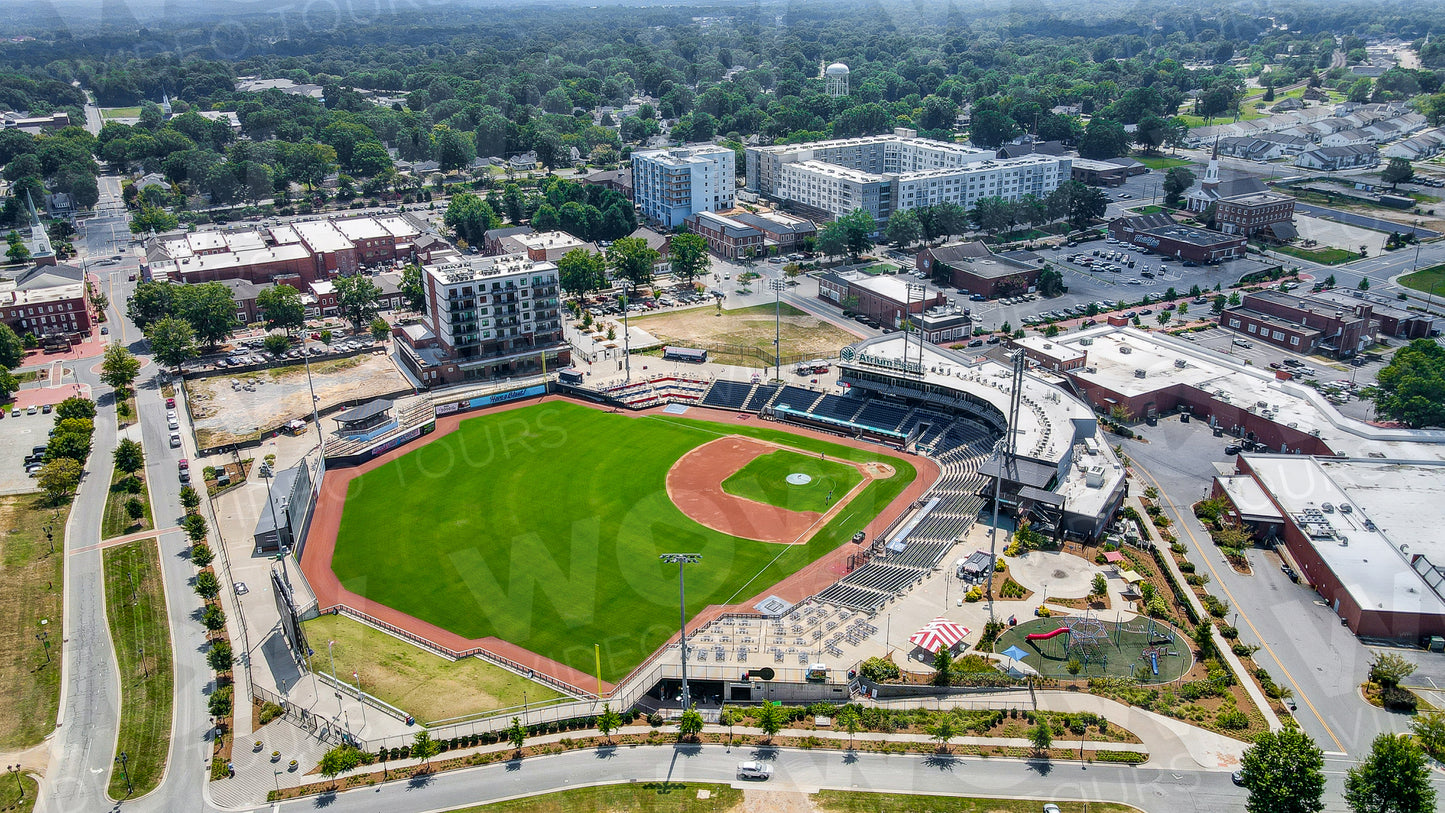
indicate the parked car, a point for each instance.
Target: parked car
{"x":175,"y":440}
{"x":758,"y":770}
{"x":170,"y":403}
{"x":46,"y":409}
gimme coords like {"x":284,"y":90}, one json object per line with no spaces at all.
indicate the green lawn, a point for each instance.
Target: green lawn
{"x":30,"y":593}
{"x":877,"y":269}
{"x":425,"y":685}
{"x":12,"y":798}
{"x":1426,"y":280}
{"x":834,"y":801}
{"x":765,"y":480}
{"x":116,"y":522}
{"x":645,"y":797}
{"x":135,"y":607}
{"x":1324,"y":256}
{"x":1161,"y":162}
{"x":542,"y":526}
{"x":120,"y":113}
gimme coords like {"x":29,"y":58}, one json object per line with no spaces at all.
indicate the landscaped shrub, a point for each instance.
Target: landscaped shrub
{"x":878,"y":670}
{"x":1232,"y":719}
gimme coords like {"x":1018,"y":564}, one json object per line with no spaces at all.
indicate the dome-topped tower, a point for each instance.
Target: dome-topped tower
{"x":836,"y":76}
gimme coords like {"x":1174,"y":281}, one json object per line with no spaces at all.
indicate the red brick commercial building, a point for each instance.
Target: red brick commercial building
{"x":973,"y":269}
{"x":1302,"y":324}
{"x":47,"y":300}
{"x":1159,"y":234}
{"x":1359,"y":531}
{"x":1249,"y":215}
{"x":726,"y":237}
{"x":883,"y":298}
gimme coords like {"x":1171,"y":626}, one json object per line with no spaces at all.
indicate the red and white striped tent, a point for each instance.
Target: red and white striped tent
{"x":937,"y":634}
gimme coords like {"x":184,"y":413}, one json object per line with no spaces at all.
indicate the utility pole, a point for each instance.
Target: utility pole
{"x":123,"y":759}
{"x":682,"y":559}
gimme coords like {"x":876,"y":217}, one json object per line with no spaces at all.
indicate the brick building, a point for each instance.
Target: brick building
{"x":726,"y":236}
{"x":883,"y":298}
{"x":1303,"y":324}
{"x":972,"y":268}
{"x":47,"y":301}
{"x":1262,"y":212}
{"x":1159,"y":234}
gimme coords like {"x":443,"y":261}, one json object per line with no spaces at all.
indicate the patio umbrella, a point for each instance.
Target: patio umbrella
{"x":1015,"y":653}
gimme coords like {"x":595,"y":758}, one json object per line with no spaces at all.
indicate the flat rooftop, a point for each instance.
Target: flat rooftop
{"x":1167,"y":361}
{"x":1051,"y":348}
{"x":1362,"y":548}
{"x":835,"y":171}
{"x":322,"y":236}
{"x":1050,"y":422}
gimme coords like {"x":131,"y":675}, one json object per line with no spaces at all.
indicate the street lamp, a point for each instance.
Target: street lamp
{"x":334,"y":683}
{"x":123,"y":759}
{"x":359,"y":698}
{"x":15,"y":772}
{"x":777,"y":285}
{"x":682,"y":559}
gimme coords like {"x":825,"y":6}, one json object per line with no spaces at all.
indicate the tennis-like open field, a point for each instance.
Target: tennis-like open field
{"x":542,"y":525}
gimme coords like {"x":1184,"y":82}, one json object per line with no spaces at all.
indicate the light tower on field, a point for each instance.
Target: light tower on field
{"x":836,"y":77}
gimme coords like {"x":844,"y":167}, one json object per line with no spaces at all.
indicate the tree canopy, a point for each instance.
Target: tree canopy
{"x":1411,"y":388}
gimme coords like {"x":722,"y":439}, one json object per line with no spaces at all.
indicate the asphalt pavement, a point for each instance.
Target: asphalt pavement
{"x":1364,"y":221}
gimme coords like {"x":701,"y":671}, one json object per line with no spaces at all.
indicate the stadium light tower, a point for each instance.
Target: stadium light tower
{"x":682,"y":559}
{"x":777,"y":285}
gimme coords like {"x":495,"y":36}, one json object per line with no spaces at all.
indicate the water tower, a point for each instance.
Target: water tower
{"x":836,"y":76}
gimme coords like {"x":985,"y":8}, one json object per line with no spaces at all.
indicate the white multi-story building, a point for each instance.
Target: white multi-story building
{"x":672,"y":185}
{"x":486,"y":318}
{"x":884,"y":174}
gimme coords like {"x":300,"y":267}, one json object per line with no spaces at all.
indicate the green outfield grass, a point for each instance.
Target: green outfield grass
{"x":765,"y":480}
{"x":542,"y":526}
{"x":1159,"y":162}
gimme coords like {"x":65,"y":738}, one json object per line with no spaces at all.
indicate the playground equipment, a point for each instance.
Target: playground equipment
{"x":1044,"y":636}
{"x":1087,"y":638}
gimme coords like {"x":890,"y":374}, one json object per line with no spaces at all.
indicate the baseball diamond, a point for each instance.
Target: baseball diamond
{"x":535,"y":530}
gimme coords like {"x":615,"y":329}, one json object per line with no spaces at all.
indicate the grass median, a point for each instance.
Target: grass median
{"x":30,"y":603}
{"x":644,"y":797}
{"x":135,"y":607}
{"x":117,"y":520}
{"x":834,"y":801}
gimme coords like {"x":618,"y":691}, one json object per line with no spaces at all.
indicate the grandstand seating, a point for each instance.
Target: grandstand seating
{"x":836,"y":406}
{"x":760,"y":397}
{"x":727,"y":394}
{"x":796,"y":398}
{"x":882,"y":415}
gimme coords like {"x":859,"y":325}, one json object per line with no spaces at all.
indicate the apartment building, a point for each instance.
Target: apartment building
{"x":671,"y":185}
{"x":487,"y":318}
{"x":884,"y":174}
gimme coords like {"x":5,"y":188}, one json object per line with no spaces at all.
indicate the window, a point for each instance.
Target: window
{"x":1251,"y":329}
{"x":1294,"y":340}
{"x":1278,"y":336}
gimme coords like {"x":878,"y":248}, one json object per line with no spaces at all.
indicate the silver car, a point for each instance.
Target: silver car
{"x":754,"y":770}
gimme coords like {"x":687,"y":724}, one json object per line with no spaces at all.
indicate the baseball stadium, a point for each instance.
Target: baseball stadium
{"x":530,"y":532}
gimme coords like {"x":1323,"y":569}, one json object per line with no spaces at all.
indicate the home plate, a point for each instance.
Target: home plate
{"x":799,"y":479}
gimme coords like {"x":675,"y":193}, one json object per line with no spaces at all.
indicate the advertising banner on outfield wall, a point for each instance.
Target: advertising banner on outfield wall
{"x":495,"y":398}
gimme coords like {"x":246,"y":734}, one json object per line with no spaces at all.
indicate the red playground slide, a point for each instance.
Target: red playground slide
{"x":1044,"y":636}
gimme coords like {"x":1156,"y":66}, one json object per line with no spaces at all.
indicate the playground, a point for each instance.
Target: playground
{"x":1141,"y":647}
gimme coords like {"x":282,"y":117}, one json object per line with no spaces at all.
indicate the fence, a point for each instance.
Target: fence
{"x":741,"y":350}
{"x":323,"y":728}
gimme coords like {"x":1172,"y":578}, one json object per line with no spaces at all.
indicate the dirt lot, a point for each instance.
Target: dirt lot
{"x":224,"y":413}
{"x":803,"y":334}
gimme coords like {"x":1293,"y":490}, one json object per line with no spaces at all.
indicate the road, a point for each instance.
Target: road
{"x":1155,"y":791}
{"x":83,"y":747}
{"x":1304,"y":647}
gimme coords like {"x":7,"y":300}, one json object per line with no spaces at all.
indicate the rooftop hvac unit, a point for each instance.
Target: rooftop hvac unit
{"x":1125,"y":349}
{"x":1087,"y":341}
{"x":1139,"y":372}
{"x":1179,"y":363}
{"x":1346,"y":508}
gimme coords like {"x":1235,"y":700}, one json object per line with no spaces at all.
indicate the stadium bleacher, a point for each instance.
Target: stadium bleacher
{"x":796,"y":398}
{"x":727,"y":394}
{"x":882,"y":415}
{"x":837,"y":406}
{"x":760,"y":397}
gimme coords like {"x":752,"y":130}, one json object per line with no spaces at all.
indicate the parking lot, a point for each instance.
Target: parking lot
{"x":21,"y":434}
